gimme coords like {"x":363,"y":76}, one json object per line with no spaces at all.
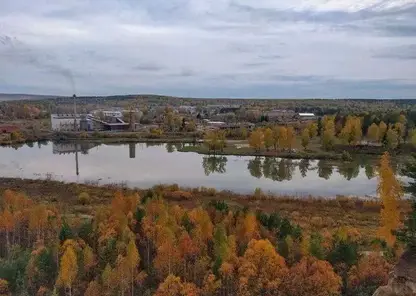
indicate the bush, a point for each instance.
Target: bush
{"x":219,"y":205}
{"x":346,"y":156}
{"x":208,"y":191}
{"x":16,"y":135}
{"x":84,"y":198}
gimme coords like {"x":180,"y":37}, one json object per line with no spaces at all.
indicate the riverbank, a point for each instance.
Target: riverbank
{"x":102,"y":137}
{"x":233,"y":147}
{"x":312,"y":213}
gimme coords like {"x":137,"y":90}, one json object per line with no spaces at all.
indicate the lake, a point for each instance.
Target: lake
{"x":144,"y":165}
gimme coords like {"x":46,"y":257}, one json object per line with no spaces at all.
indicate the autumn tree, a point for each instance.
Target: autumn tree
{"x":311,"y":277}
{"x":382,"y":130}
{"x":305,"y":138}
{"x":276,"y":136}
{"x":328,"y":132}
{"x":133,"y":260}
{"x":290,"y":137}
{"x":68,"y":269}
{"x":390,"y":192}
{"x":392,"y":139}
{"x":93,"y":289}
{"x":256,"y":140}
{"x":268,"y":138}
{"x":351,"y":132}
{"x":107,"y":279}
{"x":282,"y":139}
{"x":88,"y":258}
{"x":373,"y":133}
{"x":371,"y":272}
{"x":173,"y":286}
{"x":4,"y":288}
{"x":221,"y":247}
{"x":215,"y":140}
{"x":313,"y":130}
{"x":400,"y":130}
{"x":412,"y":137}
{"x":261,"y":269}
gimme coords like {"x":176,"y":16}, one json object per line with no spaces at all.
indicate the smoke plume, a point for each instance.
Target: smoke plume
{"x":16,"y":50}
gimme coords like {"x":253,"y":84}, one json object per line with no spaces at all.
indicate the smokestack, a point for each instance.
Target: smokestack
{"x":75,"y":111}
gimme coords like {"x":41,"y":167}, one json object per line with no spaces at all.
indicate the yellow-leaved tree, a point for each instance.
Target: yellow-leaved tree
{"x":382,"y":130}
{"x":373,"y":133}
{"x":390,"y":192}
{"x":305,"y":137}
{"x":261,"y":270}
{"x":256,"y":139}
{"x":68,"y":269}
{"x":268,"y":138}
{"x":133,"y":259}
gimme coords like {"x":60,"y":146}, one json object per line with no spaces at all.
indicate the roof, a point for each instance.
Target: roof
{"x":306,"y":114}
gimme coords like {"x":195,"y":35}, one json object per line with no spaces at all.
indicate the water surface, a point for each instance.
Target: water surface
{"x":144,"y":165}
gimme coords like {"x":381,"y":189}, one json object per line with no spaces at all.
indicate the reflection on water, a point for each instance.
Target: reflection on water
{"x":214,"y":164}
{"x":147,"y":164}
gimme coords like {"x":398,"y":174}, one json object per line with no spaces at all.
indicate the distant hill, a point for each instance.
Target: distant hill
{"x":18,"y":97}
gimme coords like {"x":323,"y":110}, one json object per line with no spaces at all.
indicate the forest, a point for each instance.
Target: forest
{"x":143,"y":244}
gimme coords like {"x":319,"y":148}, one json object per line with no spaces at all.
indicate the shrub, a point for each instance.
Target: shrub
{"x":346,"y":156}
{"x":84,"y":198}
{"x":371,"y":272}
{"x":4,"y":287}
{"x":219,"y":205}
{"x":16,"y":135}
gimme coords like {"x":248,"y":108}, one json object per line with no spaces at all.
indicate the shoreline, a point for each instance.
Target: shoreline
{"x":341,"y":153}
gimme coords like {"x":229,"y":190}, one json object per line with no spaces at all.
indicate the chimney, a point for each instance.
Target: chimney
{"x":75,"y":111}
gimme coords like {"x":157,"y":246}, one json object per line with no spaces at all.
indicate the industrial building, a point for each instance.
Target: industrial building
{"x":87,"y":122}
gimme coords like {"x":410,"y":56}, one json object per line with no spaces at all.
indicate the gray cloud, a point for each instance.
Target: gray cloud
{"x":147,"y":67}
{"x":191,"y":47}
{"x":399,"y":52}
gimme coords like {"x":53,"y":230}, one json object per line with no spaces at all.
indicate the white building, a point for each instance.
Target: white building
{"x":307,"y":116}
{"x":65,"y":122}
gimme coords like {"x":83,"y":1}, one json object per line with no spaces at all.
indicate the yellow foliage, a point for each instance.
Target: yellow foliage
{"x":311,"y":277}
{"x":390,"y":192}
{"x":256,"y":140}
{"x":261,"y":269}
{"x":68,"y":268}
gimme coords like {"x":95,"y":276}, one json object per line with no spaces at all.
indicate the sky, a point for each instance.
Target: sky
{"x":210,"y":48}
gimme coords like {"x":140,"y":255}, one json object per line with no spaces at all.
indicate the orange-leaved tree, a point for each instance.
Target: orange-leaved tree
{"x":390,"y":192}
{"x":311,"y":277}
{"x":261,"y":269}
{"x":371,"y":272}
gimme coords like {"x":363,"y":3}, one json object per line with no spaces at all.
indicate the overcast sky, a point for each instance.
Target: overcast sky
{"x":210,"y":48}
